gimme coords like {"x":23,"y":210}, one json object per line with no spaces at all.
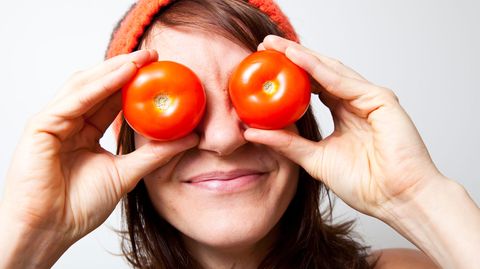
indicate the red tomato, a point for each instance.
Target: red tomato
{"x":269,"y":91}
{"x":164,"y":101}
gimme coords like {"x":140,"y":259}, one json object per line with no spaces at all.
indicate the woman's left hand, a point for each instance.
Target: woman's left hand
{"x":375,"y":158}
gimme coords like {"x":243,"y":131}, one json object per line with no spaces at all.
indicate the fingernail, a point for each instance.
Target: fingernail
{"x":153,"y":54}
{"x":292,"y":51}
{"x":273,"y":37}
{"x":136,"y":65}
{"x":138,"y":52}
{"x":126,"y":68}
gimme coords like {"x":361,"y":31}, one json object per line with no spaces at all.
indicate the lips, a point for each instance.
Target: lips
{"x":231,"y":181}
{"x":222,"y":176}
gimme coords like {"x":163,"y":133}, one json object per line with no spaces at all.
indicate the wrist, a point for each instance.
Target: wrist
{"x":22,"y":246}
{"x":441,"y":219}
{"x":418,"y":201}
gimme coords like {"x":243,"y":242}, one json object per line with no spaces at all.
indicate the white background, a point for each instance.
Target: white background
{"x":427,"y":51}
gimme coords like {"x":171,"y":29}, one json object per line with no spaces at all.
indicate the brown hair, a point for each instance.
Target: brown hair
{"x":309,"y":238}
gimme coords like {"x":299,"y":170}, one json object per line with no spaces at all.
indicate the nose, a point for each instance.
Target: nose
{"x":220,"y":130}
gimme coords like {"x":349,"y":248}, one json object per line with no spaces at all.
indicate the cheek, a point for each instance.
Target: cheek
{"x":162,"y":190}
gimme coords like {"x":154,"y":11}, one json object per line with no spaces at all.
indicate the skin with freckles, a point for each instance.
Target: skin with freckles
{"x":223,"y":225}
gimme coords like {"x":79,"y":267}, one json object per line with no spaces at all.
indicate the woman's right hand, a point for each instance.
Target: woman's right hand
{"x":60,"y":179}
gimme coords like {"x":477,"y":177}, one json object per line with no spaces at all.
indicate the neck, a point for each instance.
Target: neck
{"x":232,"y":256}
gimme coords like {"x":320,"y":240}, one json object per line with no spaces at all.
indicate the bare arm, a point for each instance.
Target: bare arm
{"x":26,"y":247}
{"x":442,"y":220}
{"x":401,"y":258}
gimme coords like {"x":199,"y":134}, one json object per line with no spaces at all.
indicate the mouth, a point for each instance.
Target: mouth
{"x":231,"y":181}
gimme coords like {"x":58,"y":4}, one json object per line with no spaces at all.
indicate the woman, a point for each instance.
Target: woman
{"x":375,"y":161}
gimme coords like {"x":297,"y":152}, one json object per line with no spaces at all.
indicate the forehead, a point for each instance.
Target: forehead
{"x":209,"y":55}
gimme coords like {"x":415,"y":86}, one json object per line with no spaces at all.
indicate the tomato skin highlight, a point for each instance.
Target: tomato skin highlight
{"x":164,"y":101}
{"x":269,"y":91}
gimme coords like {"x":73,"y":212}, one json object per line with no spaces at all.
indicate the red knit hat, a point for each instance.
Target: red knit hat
{"x":132,"y":27}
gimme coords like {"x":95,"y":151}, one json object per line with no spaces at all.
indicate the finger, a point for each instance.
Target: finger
{"x":260,"y":47}
{"x":359,"y":96}
{"x":281,"y":44}
{"x":84,"y":99}
{"x":95,"y":108}
{"x":288,"y":143}
{"x":367,"y":96}
{"x":81,"y":78}
{"x":69,"y":111}
{"x":135,"y":165}
{"x":105,"y":115}
{"x":140,"y":58}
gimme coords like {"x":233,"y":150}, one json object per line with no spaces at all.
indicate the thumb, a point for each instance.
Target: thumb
{"x":298,"y":149}
{"x":134,"y":166}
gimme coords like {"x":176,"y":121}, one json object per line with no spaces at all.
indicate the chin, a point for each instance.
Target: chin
{"x":234,"y":234}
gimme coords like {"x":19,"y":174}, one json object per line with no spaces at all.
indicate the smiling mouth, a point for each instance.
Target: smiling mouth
{"x":234,"y":181}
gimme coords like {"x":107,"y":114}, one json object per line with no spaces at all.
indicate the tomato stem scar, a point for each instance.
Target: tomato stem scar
{"x":162,"y":101}
{"x":268,"y":87}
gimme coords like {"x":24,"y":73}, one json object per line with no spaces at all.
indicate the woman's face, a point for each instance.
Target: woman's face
{"x":226,"y":192}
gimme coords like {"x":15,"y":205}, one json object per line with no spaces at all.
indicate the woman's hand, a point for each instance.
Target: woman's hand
{"x":61,"y":180}
{"x":374,"y":156}
{"x":377,"y":163}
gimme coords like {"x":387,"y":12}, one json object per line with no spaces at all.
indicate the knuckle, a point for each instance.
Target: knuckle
{"x":77,"y":78}
{"x":385,"y":95}
{"x":289,"y":142}
{"x":395,"y":96}
{"x":85,"y":101}
{"x":336,"y":83}
{"x":390,"y":95}
{"x":316,"y":68}
{"x":34,"y":120}
{"x":120,"y":187}
{"x":119,"y":178}
{"x":337,"y":63}
{"x":317,"y":157}
{"x":38,"y":122}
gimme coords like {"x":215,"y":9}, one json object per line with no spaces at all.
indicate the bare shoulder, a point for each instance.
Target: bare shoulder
{"x":400,"y":258}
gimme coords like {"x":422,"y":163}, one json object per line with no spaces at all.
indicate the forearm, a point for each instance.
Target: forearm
{"x":23,"y":247}
{"x":442,"y":220}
